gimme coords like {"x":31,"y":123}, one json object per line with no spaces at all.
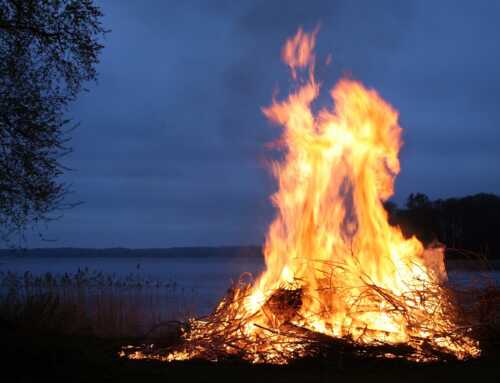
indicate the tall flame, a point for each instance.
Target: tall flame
{"x":332,"y":232}
{"x":334,"y":265}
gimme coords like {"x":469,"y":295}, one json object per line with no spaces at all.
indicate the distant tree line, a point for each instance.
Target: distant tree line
{"x":470,"y":223}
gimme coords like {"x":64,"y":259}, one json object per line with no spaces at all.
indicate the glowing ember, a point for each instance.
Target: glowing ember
{"x":335,"y":268}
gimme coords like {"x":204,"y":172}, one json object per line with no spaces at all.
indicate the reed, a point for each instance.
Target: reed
{"x":92,"y":302}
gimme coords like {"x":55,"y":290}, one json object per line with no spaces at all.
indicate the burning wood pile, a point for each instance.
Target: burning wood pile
{"x":338,"y":276}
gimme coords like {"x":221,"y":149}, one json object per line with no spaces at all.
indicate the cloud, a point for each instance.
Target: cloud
{"x":171,"y":145}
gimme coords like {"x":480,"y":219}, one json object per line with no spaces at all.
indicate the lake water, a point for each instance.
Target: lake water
{"x":201,"y":281}
{"x":195,"y":272}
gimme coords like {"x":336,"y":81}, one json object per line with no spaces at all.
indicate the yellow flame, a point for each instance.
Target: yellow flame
{"x":358,"y":277}
{"x":331,"y":232}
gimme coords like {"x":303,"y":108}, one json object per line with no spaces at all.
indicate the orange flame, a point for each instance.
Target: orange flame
{"x":332,"y":232}
{"x":298,"y":51}
{"x":355,"y":276}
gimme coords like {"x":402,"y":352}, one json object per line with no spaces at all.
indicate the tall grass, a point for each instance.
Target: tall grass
{"x":92,"y":302}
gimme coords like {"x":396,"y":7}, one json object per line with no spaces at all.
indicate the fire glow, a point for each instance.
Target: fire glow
{"x":335,"y":268}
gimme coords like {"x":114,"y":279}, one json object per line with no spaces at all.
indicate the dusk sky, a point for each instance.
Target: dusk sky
{"x":171,"y":151}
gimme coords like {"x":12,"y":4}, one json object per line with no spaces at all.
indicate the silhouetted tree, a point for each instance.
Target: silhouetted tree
{"x":470,"y":223}
{"x":390,"y":207}
{"x":417,"y":201}
{"x":48,"y":49}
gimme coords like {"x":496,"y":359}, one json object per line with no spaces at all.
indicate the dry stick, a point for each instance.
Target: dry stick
{"x":162,"y":324}
{"x":221,"y":328}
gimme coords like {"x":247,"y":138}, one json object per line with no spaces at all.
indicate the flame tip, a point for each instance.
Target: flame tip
{"x":334,"y":264}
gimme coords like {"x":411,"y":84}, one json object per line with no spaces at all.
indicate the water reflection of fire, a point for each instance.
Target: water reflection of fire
{"x":335,"y":268}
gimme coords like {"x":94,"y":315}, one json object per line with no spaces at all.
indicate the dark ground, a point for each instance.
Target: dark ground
{"x":36,"y":357}
{"x":38,"y":342}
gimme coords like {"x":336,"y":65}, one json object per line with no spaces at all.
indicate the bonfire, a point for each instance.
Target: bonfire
{"x":337,"y":273}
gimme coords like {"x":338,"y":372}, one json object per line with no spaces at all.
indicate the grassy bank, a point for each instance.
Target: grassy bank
{"x":88,"y":301}
{"x":71,"y":329}
{"x":76,"y":358}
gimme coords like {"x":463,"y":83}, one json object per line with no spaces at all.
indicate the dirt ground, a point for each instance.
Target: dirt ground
{"x":56,"y":358}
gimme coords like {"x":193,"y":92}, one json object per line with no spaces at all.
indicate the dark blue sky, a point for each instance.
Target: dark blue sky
{"x":170,"y":150}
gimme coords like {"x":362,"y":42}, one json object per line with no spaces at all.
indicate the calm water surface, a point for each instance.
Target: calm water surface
{"x":201,"y":281}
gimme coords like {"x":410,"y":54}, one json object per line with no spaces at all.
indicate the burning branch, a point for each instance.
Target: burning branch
{"x":338,"y":276}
